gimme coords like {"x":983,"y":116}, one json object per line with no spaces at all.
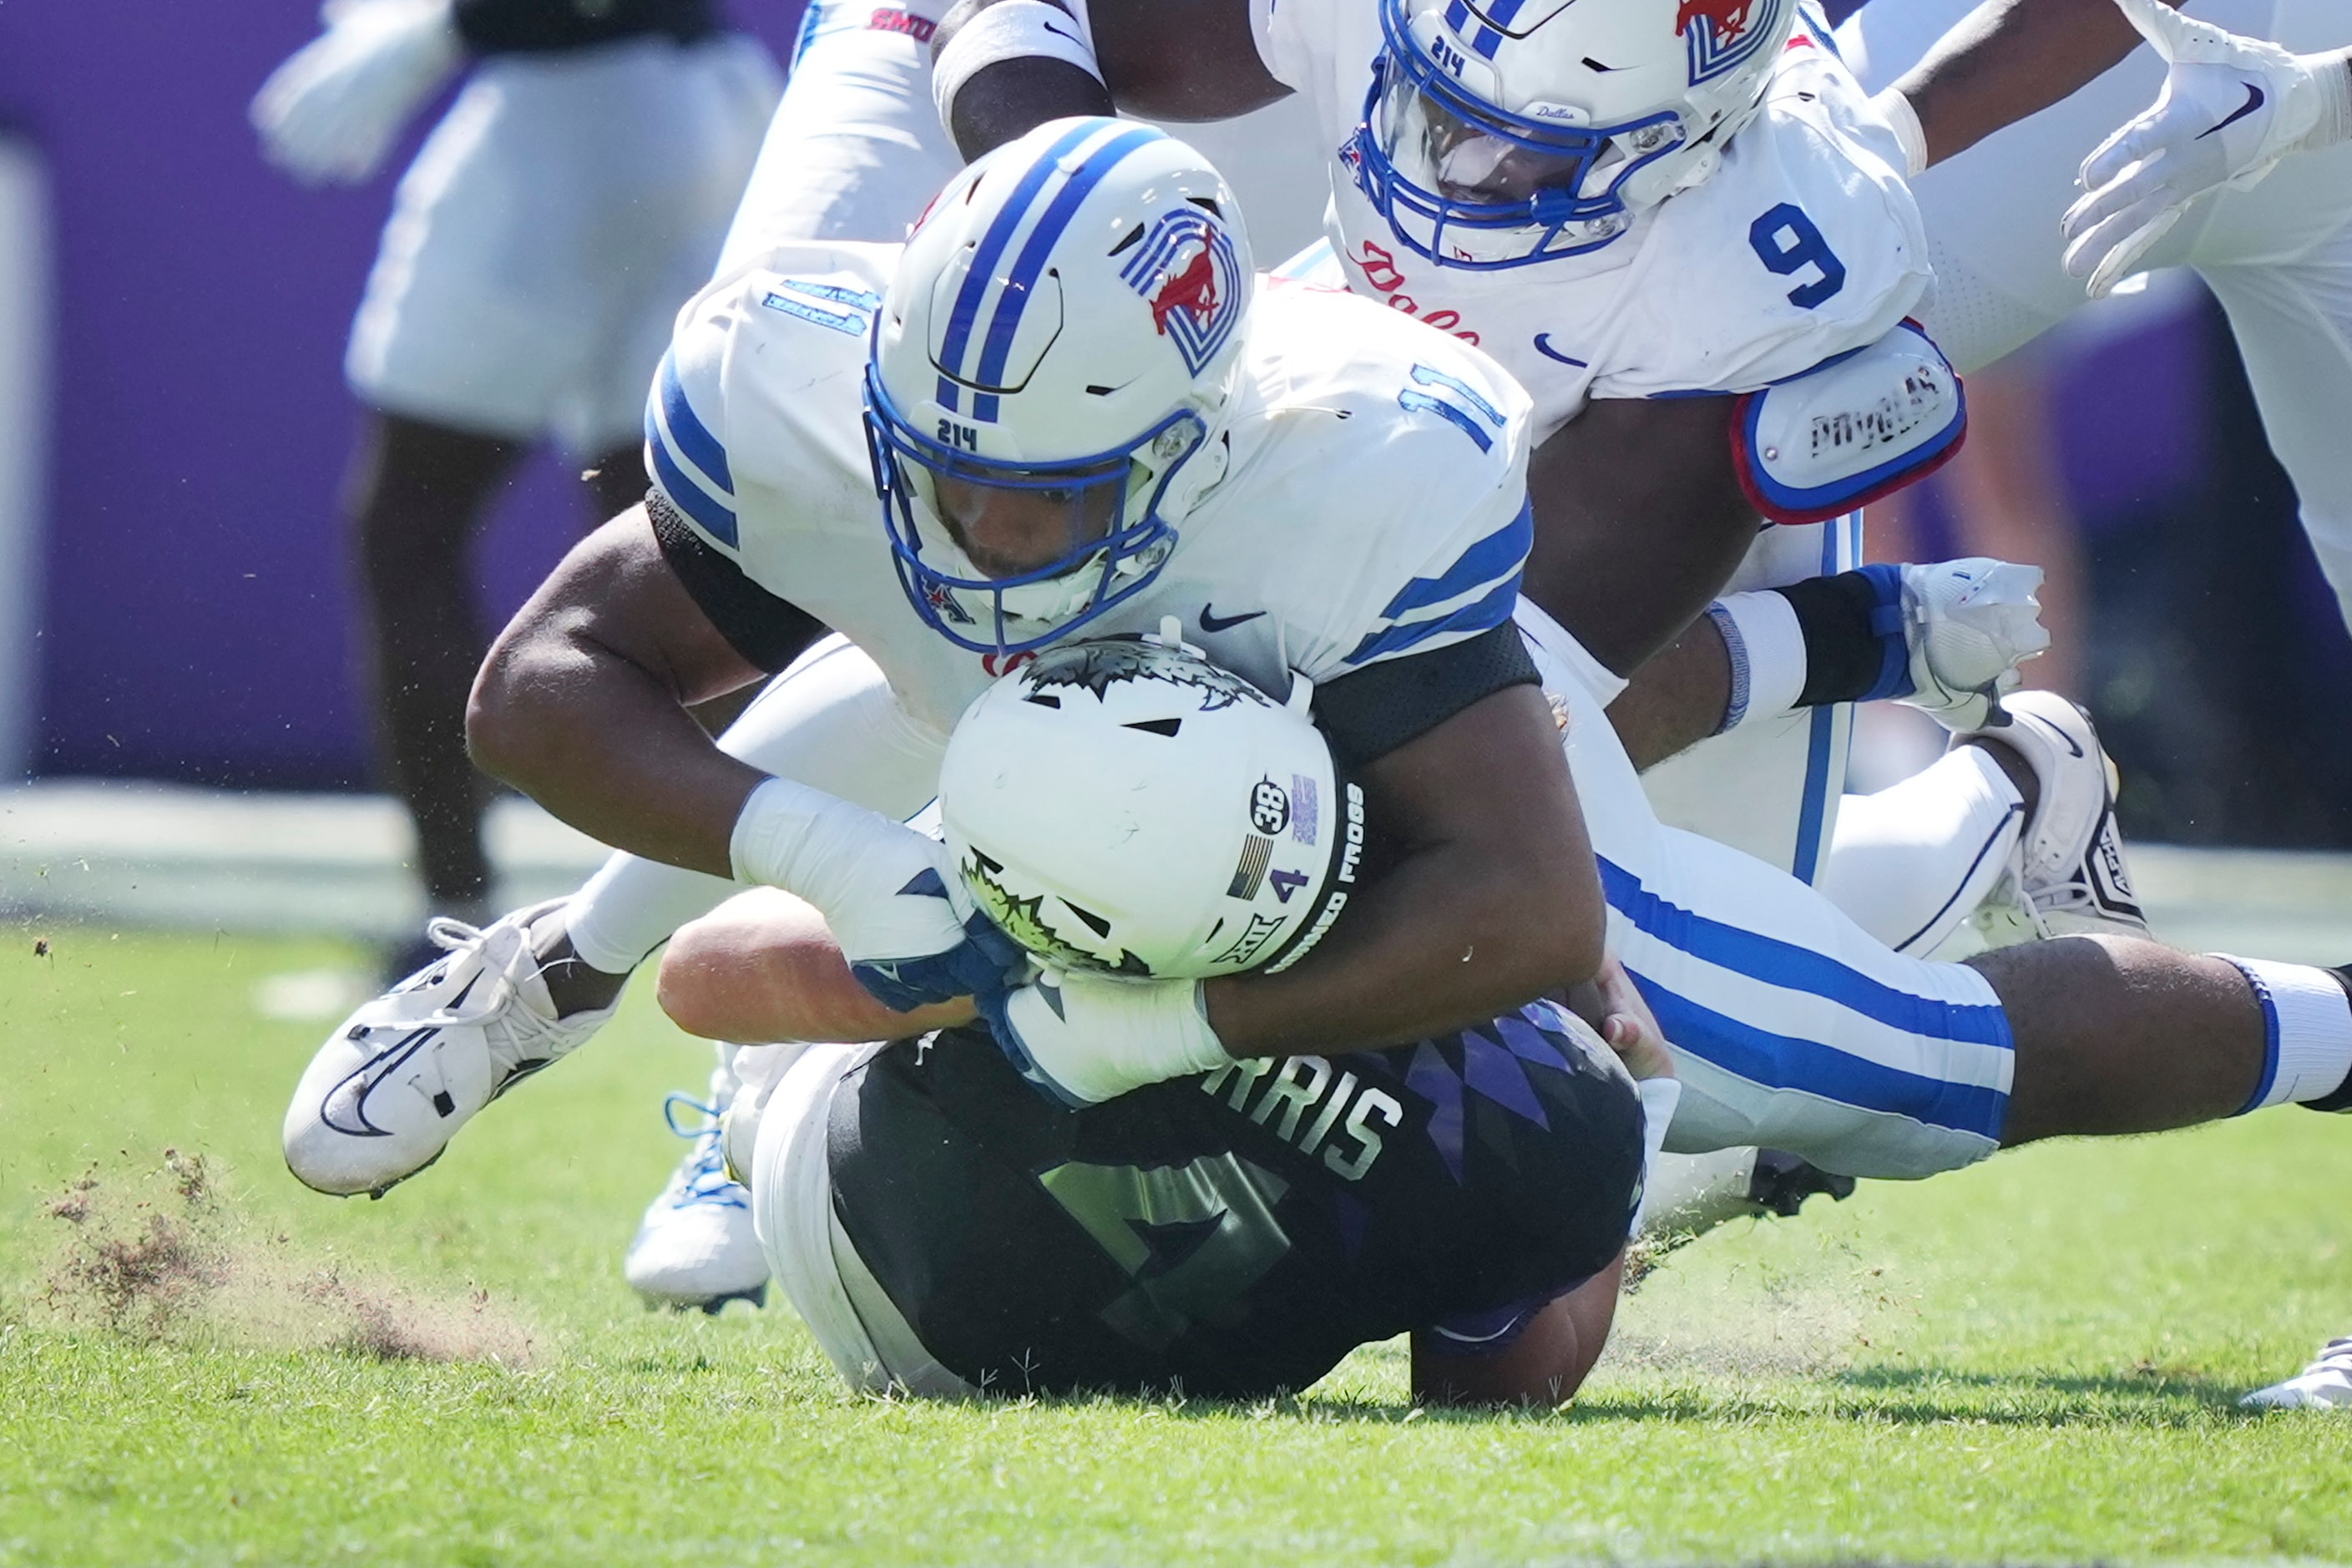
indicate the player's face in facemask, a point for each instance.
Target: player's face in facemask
{"x":1010,"y":530}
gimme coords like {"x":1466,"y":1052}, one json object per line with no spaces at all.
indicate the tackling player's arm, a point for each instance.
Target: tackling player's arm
{"x":1640,"y":520}
{"x":1169,"y":59}
{"x":2007,"y":60}
{"x":1489,"y":897}
{"x":582,"y":703}
{"x":764,"y":966}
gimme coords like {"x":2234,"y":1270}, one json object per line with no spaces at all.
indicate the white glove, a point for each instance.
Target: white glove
{"x":330,"y":112}
{"x":889,"y":895}
{"x":2230,"y":109}
{"x":1082,"y":1038}
{"x":1968,"y":625}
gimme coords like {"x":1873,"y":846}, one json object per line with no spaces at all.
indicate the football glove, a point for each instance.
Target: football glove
{"x":330,"y":114}
{"x":2230,"y":109}
{"x":1080,"y":1039}
{"x":1968,"y":624}
{"x":888,"y":894}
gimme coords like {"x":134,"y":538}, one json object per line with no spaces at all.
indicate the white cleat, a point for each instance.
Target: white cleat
{"x":1968,"y":624}
{"x":2324,"y":1384}
{"x":696,"y":1246}
{"x":2068,"y":876}
{"x":395,"y":1082}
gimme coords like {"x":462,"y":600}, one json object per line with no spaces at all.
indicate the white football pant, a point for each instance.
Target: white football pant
{"x":552,"y":224}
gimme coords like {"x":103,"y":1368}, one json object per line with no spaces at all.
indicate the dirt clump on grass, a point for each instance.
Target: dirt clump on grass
{"x":164,"y":1255}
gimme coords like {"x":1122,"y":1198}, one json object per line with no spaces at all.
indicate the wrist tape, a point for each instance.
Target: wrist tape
{"x":1009,"y":30}
{"x":1766,"y":643}
{"x":812,"y":844}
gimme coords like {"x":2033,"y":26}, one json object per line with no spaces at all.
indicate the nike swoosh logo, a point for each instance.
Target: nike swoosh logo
{"x":2254,"y":101}
{"x":1061,"y":33}
{"x":1212,"y":622}
{"x":369,"y":1075}
{"x":2062,"y":735}
{"x":1543,"y":347}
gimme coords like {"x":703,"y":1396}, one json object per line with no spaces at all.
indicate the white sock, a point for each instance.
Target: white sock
{"x":2307,"y":1020}
{"x":631,"y":907}
{"x":1913,"y":861}
{"x":1767,"y":656}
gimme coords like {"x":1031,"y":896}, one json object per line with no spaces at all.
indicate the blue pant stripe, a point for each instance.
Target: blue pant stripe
{"x":1794,"y":968}
{"x":1780,"y":1061}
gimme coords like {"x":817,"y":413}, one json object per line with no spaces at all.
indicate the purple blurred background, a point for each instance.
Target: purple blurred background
{"x":197,"y":614}
{"x":197,"y":611}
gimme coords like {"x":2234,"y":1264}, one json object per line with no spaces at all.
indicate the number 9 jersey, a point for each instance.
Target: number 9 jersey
{"x":1803,"y":245}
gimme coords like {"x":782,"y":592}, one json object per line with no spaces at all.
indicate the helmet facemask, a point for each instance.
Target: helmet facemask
{"x":1047,"y":390}
{"x":1470,"y":183}
{"x":1114,"y":529}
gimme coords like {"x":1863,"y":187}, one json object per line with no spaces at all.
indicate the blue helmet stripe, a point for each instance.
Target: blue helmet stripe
{"x":992,"y":245}
{"x":1015,"y":298}
{"x":1502,"y":13}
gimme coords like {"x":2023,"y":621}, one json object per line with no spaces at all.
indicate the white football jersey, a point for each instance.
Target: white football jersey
{"x":1803,"y":245}
{"x":1375,"y":505}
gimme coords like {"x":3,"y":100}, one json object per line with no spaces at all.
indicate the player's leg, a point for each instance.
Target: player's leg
{"x":395,"y":1082}
{"x":695,"y":1247}
{"x":856,"y":150}
{"x":2292,"y":317}
{"x":416,"y":498}
{"x":457,"y":397}
{"x":1795,"y":1030}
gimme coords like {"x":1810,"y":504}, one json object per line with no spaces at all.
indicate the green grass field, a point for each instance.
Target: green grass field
{"x":2036,"y":1359}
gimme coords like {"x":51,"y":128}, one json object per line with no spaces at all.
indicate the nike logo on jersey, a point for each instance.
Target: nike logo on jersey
{"x":1212,"y":622}
{"x":1062,"y":33}
{"x":1543,"y":347}
{"x":2253,"y":100}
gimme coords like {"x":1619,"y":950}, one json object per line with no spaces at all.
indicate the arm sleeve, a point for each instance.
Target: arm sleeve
{"x":768,"y":631}
{"x":1278,"y":44}
{"x":1372,"y":711}
{"x":542,"y":27}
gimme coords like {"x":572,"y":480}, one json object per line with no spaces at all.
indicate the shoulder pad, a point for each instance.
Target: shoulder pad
{"x":1846,"y":433}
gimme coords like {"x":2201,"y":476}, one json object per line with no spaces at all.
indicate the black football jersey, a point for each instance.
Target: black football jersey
{"x":547,"y":27}
{"x":1237,"y":1233}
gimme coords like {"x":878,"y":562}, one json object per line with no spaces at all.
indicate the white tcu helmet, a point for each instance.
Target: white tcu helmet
{"x":1502,"y":132}
{"x":1064,"y":321}
{"x":1125,"y":806}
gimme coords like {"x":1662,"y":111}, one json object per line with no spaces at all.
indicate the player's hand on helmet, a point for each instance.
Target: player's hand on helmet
{"x":1081,"y":1039}
{"x":1968,"y":625}
{"x":2230,"y":109}
{"x":889,"y":895}
{"x":915,"y":939}
{"x":330,"y":112}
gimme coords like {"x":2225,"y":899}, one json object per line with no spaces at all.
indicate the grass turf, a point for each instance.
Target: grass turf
{"x":2033,"y":1359}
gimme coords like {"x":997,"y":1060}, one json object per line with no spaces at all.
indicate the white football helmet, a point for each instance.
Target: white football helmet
{"x":1502,"y":132}
{"x":1123,"y":805}
{"x":1064,"y":321}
